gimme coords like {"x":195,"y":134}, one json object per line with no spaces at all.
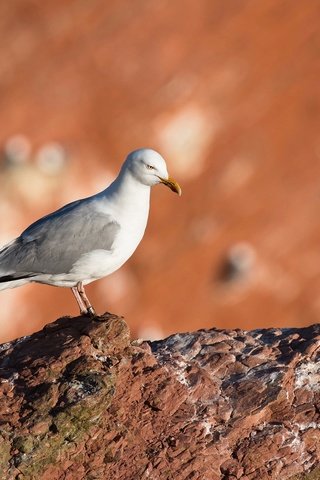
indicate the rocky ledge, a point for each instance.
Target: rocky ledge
{"x":79,"y":400}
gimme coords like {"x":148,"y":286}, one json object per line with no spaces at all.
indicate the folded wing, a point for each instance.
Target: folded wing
{"x":54,"y":243}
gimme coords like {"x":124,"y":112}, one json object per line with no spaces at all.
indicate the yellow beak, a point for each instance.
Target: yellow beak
{"x":172,"y":184}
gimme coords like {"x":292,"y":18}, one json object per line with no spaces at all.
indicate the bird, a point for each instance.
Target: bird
{"x":89,"y":238}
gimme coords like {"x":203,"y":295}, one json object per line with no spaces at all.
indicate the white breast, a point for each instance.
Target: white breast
{"x":127,"y":202}
{"x":132,"y":219}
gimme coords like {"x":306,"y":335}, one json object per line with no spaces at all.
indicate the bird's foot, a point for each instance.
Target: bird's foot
{"x":90,"y":312}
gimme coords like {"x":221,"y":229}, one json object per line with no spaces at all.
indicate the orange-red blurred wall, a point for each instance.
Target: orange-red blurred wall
{"x":229,"y":93}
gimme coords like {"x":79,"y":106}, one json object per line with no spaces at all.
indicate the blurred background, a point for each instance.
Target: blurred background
{"x":228,"y":92}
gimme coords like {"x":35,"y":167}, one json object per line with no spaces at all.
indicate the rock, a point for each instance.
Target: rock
{"x":79,"y":400}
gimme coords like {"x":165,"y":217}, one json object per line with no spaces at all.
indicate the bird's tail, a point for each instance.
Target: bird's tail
{"x":12,"y":283}
{"x":9,"y":277}
{"x":14,"y":280}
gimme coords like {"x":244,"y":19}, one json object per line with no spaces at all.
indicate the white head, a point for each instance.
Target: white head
{"x":149,"y":168}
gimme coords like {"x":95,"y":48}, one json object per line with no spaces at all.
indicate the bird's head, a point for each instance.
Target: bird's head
{"x":149,"y":168}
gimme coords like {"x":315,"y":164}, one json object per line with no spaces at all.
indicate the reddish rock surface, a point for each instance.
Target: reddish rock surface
{"x":78,"y":400}
{"x":229,"y":93}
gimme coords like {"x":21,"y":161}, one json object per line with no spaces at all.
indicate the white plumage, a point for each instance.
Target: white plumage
{"x":89,"y":238}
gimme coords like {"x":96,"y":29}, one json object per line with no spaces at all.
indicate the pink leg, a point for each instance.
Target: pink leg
{"x":85,"y":300}
{"x":83,"y":308}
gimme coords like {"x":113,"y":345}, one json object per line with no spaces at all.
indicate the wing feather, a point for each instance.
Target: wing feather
{"x":55,"y":242}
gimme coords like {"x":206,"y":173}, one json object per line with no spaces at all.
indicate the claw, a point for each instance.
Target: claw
{"x":91,"y":312}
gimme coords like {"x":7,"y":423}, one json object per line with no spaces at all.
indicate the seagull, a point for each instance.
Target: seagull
{"x":90,"y":238}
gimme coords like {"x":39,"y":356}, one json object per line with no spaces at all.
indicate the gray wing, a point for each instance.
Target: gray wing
{"x":54,"y":243}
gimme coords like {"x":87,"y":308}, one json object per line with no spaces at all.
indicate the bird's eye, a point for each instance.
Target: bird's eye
{"x":150,"y":167}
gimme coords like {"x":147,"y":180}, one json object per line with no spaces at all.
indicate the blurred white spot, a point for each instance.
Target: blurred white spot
{"x":239,"y":262}
{"x":185,"y":137}
{"x":151,"y":332}
{"x":243,"y":255}
{"x":17,"y":150}
{"x":30,"y":185}
{"x":51,"y":158}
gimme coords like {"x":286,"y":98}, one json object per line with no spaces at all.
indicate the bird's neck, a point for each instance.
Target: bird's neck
{"x":126,"y":189}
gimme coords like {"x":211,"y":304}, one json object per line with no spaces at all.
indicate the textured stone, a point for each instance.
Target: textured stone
{"x":78,"y":400}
